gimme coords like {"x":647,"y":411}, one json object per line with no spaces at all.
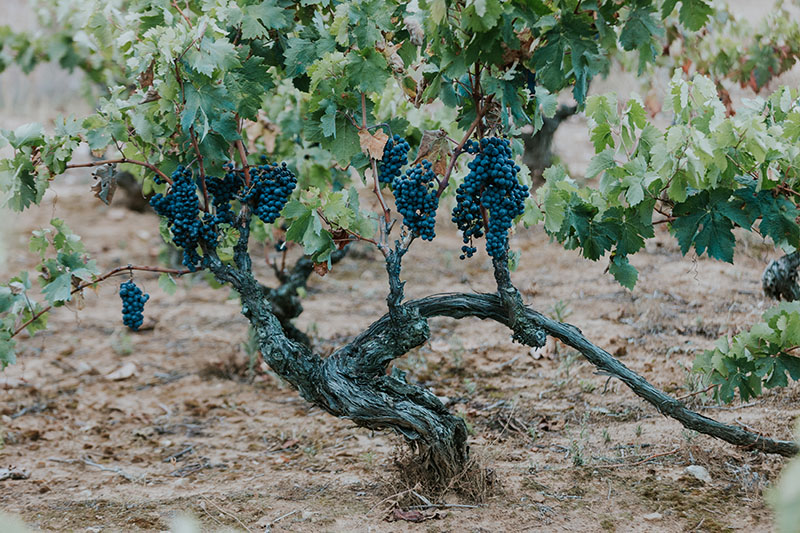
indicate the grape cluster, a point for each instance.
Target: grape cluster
{"x":395,"y":157}
{"x":224,"y":190}
{"x":492,"y":187}
{"x":181,"y":207}
{"x":270,"y":188}
{"x":132,"y":304}
{"x":417,"y":200}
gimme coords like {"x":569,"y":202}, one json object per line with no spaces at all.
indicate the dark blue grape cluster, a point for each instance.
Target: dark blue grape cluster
{"x":395,"y":157}
{"x":270,"y":188}
{"x":132,"y":304}
{"x":490,"y":197}
{"x":417,"y":200}
{"x":224,"y":190}
{"x":181,"y":207}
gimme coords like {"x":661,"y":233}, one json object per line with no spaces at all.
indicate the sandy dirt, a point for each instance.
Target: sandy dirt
{"x":191,"y":431}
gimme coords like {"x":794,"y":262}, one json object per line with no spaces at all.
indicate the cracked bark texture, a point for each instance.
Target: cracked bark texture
{"x":353,"y":382}
{"x":779,"y":279}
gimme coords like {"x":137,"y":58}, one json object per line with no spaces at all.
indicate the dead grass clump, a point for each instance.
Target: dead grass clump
{"x":411,"y":482}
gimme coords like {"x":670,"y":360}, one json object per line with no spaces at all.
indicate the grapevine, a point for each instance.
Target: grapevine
{"x":310,"y":84}
{"x":133,"y":301}
{"x":417,"y":200}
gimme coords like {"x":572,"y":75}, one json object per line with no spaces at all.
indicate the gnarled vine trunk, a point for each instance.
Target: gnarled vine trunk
{"x":779,"y":279}
{"x":538,"y":154}
{"x":353,"y":382}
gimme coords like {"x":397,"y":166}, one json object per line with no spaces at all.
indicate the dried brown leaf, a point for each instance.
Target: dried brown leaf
{"x":435,"y":147}
{"x":146,"y":77}
{"x":105,"y":188}
{"x":321,"y":268}
{"x":373,"y":143}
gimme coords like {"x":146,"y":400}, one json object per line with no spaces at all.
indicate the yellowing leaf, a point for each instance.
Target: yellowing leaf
{"x":373,"y":144}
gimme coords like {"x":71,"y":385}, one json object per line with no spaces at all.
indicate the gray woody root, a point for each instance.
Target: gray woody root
{"x":353,"y":383}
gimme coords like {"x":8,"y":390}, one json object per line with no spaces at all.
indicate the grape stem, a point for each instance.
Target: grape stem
{"x":122,"y":160}
{"x":243,"y":159}
{"x":103,"y":277}
{"x":196,"y":148}
{"x":354,"y":235}
{"x":376,"y":188}
{"x":460,"y":147}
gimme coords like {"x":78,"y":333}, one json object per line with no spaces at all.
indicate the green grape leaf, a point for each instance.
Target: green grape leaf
{"x":8,"y":354}
{"x":272,"y":13}
{"x":640,"y":31}
{"x":601,"y":136}
{"x":368,"y":70}
{"x":59,"y":289}
{"x":625,"y":273}
{"x":167,"y":283}
{"x":600,"y":163}
{"x":212,"y":56}
{"x":694,"y":13}
{"x":299,"y":55}
{"x":703,"y":221}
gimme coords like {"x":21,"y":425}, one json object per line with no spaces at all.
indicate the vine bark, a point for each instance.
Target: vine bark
{"x":353,"y":382}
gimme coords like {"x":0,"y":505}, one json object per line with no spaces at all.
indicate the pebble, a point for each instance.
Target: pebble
{"x":698,"y":472}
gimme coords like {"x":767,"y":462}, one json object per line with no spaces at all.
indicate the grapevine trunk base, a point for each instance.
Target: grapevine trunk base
{"x":353,"y":383}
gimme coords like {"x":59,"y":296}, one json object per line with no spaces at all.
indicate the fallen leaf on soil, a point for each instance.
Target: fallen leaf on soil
{"x":13,"y":473}
{"x":373,"y":144}
{"x":698,"y":472}
{"x":126,"y":371}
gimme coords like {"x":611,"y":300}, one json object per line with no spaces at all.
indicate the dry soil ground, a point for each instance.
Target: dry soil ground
{"x":189,"y":431}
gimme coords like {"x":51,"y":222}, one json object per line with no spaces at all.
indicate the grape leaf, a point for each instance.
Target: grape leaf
{"x":703,"y":221}
{"x":625,"y":273}
{"x":694,"y":13}
{"x":59,"y":289}
{"x":167,"y":283}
